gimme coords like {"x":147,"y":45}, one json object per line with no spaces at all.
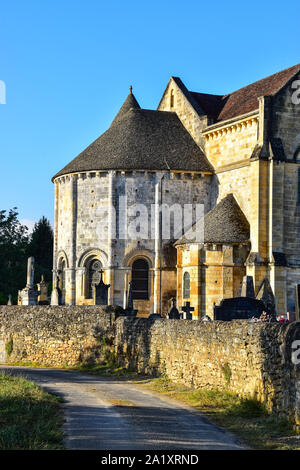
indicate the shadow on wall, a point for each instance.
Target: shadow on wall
{"x":126,"y":344}
{"x":281,"y":371}
{"x":133,"y":347}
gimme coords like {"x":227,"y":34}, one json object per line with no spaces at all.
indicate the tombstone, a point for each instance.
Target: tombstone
{"x":43,"y":292}
{"x":56,"y":294}
{"x":10,"y":300}
{"x":247,"y":289}
{"x":129,"y":310}
{"x":187,"y":309}
{"x":100,"y":291}
{"x":173,"y":313}
{"x":297,"y":301}
{"x":265,"y":293}
{"x":239,"y":308}
{"x":28,"y":295}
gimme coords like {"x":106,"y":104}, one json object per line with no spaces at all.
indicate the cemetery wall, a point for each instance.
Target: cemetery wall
{"x":251,"y":359}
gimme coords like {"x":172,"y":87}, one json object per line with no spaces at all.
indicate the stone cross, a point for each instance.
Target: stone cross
{"x":187,"y":309}
{"x":30,"y":272}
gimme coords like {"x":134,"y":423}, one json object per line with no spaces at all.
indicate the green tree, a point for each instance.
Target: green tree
{"x":13,"y":254}
{"x":41,"y":247}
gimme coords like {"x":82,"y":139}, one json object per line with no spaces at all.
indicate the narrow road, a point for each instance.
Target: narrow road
{"x":109,"y":414}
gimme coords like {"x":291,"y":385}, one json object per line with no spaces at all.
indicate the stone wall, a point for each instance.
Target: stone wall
{"x":53,"y":336}
{"x":247,"y":358}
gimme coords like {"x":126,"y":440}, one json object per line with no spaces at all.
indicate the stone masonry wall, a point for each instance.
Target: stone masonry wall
{"x":251,"y":359}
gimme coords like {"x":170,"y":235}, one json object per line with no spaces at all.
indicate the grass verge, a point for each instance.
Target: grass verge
{"x":247,"y":418}
{"x":30,"y":418}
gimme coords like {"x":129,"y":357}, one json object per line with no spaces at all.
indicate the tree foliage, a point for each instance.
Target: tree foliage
{"x":41,"y":248}
{"x":16,"y":245}
{"x":14,"y":241}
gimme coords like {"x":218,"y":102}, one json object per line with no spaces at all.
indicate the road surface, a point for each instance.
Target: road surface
{"x":108,"y":414}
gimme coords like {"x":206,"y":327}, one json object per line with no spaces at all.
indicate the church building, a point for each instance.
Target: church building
{"x":237,"y":155}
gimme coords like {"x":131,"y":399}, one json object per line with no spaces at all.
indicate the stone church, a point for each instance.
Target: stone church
{"x":237,"y":155}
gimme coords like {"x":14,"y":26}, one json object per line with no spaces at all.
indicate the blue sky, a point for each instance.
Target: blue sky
{"x":68,"y":64}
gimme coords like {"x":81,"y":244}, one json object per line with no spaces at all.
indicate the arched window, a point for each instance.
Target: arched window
{"x":172,"y":99}
{"x":94,"y":269}
{"x":62,"y":279}
{"x":186,"y":286}
{"x":140,"y":279}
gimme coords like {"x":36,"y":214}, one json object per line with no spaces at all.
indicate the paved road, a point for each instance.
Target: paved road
{"x":110,"y":414}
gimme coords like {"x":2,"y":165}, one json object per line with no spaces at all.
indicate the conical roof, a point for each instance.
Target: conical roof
{"x":140,"y":139}
{"x":225,"y":223}
{"x":129,"y":103}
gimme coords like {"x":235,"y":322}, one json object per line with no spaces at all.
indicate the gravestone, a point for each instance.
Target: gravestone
{"x":173,"y":313}
{"x":247,"y":289}
{"x":56,"y":294}
{"x":265,"y":293}
{"x":238,"y":308}
{"x":28,"y":295}
{"x":129,"y":310}
{"x":43,"y":292}
{"x":187,"y":311}
{"x":101,"y":291}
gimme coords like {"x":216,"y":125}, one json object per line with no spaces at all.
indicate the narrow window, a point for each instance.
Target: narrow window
{"x":140,"y":279}
{"x":62,"y":280}
{"x":172,"y":99}
{"x":186,"y":286}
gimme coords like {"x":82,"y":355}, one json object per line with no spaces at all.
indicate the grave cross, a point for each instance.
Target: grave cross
{"x":187,"y":309}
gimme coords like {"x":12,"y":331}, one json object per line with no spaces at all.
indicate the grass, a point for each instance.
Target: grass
{"x":245,"y":417}
{"x":30,"y":418}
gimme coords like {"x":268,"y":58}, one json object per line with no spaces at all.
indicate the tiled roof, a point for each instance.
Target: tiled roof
{"x":141,"y":139}
{"x":242,"y":101}
{"x":225,"y":223}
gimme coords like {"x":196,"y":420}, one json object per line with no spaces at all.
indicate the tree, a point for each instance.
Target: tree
{"x":13,"y":254}
{"x":41,"y":247}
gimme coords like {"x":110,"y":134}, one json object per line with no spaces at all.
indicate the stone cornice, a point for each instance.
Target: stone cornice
{"x":232,"y":125}
{"x":173,"y":174}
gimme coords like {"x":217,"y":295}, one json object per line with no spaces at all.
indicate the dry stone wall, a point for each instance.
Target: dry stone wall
{"x":251,"y":359}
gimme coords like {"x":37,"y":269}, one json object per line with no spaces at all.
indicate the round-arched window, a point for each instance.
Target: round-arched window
{"x":140,"y":279}
{"x":186,"y":285}
{"x":62,"y":279}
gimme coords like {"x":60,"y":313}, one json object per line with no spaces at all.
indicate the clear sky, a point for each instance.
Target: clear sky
{"x":67,"y":66}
